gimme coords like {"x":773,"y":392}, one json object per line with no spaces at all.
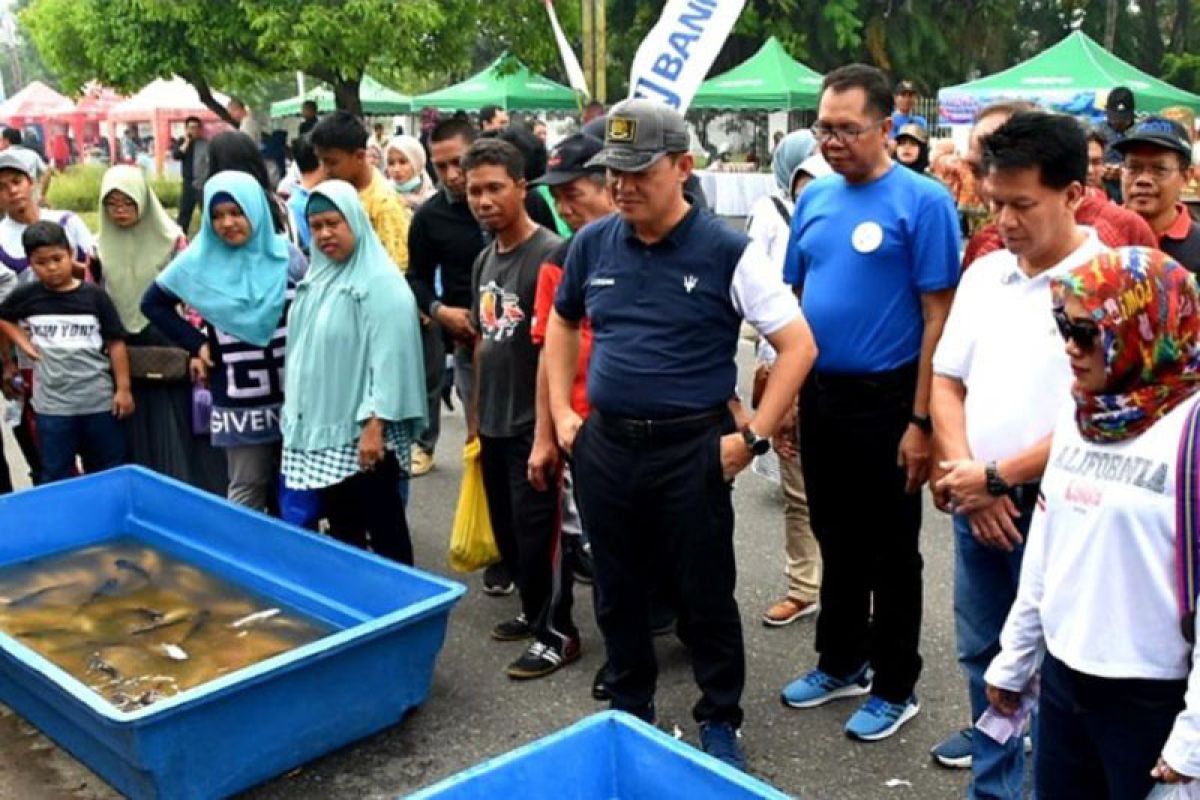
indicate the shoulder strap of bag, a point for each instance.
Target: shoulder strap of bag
{"x":1187,"y":523}
{"x":782,"y":209}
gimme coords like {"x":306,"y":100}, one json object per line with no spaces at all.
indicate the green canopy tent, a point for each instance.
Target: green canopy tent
{"x":376,"y":98}
{"x":508,"y":84}
{"x":1073,"y":76}
{"x":769,"y":80}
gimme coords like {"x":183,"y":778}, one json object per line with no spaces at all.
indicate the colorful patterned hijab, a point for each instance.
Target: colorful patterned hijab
{"x":1146,"y":306}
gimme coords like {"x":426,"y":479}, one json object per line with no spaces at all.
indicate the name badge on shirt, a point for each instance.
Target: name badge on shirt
{"x":867,"y":237}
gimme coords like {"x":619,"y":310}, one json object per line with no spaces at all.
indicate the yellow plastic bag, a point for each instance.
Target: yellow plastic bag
{"x":472,"y":543}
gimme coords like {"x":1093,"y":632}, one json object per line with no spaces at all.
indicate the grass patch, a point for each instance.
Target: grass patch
{"x":78,"y":189}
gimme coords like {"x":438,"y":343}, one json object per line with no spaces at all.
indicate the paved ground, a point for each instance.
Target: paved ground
{"x":476,"y":712}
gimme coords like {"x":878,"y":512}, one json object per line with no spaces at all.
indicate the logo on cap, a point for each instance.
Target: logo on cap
{"x":622,"y":129}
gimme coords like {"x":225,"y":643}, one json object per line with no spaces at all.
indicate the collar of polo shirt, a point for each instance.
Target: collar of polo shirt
{"x":674,"y":238}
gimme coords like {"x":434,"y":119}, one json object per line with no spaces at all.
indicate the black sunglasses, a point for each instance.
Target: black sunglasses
{"x":1083,"y":332}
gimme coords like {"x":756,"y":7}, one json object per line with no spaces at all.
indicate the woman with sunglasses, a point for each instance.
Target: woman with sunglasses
{"x":1102,"y":607}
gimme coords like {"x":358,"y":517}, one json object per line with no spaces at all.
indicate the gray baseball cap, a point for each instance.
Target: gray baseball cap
{"x":637,"y":133}
{"x":10,"y":159}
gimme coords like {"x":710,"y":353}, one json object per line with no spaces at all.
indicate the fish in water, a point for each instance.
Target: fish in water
{"x":103,"y":590}
{"x":257,"y":616}
{"x":131,"y":566}
{"x":166,"y":621}
{"x":36,"y":594}
{"x":174,"y":652}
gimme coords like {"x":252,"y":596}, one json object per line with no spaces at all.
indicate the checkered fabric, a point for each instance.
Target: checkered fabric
{"x":318,"y":469}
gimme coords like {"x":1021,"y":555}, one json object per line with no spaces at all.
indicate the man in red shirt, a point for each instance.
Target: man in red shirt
{"x":1116,"y":226}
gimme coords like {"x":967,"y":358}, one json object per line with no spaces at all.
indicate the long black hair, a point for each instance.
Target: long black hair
{"x":234,"y":150}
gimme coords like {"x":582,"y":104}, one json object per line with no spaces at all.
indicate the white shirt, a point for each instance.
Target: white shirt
{"x":759,"y":293}
{"x":1001,"y":342}
{"x":769,"y":228}
{"x":13,"y":264}
{"x":1098,"y":579}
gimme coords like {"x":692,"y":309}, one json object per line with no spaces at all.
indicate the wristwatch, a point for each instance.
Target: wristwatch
{"x":758,"y":445}
{"x":996,"y":486}
{"x":924,"y":423}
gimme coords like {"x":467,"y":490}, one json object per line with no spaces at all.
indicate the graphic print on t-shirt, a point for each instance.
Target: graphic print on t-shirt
{"x":500,"y":312}
{"x":65,"y":331}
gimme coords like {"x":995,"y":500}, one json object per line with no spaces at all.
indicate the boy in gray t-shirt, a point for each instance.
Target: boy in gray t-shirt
{"x":81,"y":367}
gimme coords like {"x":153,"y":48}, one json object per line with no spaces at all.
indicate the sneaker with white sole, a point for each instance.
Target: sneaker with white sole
{"x":878,"y":719}
{"x":540,"y":660}
{"x":954,"y":752}
{"x":817,"y":687}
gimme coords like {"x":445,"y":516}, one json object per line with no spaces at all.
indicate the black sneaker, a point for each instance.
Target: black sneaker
{"x":581,"y":562}
{"x":662,"y":619}
{"x":513,"y":630}
{"x":497,"y":582}
{"x":720,"y":740}
{"x":600,"y":691}
{"x":539,"y":660}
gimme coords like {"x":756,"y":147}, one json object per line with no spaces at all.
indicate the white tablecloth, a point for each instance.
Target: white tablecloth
{"x":733,"y":194}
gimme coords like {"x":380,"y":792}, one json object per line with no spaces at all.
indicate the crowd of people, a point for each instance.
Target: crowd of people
{"x":1038,"y":376}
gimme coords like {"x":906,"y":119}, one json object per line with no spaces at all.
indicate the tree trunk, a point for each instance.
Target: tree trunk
{"x":204,"y":91}
{"x":345,"y":92}
{"x":1151,"y":54}
{"x":1179,"y":28}
{"x":1110,"y":24}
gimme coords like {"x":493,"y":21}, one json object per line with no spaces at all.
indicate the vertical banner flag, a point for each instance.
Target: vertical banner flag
{"x":677,"y":53}
{"x":570,"y":62}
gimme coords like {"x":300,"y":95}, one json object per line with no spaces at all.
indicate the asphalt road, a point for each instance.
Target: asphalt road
{"x":475,"y":712}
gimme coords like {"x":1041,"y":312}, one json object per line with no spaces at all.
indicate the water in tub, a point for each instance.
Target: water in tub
{"x":137,"y":625}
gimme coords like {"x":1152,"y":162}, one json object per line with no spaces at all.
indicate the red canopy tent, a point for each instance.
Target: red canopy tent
{"x":87,"y":121}
{"x":33,"y":105}
{"x":160,"y":103}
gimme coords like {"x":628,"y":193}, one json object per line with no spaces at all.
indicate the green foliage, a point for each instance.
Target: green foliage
{"x":78,"y":189}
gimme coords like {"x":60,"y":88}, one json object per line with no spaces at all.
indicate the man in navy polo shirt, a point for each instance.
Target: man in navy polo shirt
{"x":666,"y":287}
{"x":874,"y":252}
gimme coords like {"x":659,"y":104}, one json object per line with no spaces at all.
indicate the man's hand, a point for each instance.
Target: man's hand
{"x":966,"y":482}
{"x":371,"y":449}
{"x":8,"y":374}
{"x":566,"y":428}
{"x":1005,"y":701}
{"x":913,"y":458}
{"x":1164,"y":773}
{"x":122,"y":405}
{"x":458,"y":322}
{"x":786,"y":441}
{"x":993,"y":526}
{"x":735,"y":455}
{"x":543,"y":463}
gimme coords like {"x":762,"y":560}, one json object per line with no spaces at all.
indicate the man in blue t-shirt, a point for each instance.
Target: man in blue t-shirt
{"x":874,"y":253}
{"x":905,"y":99}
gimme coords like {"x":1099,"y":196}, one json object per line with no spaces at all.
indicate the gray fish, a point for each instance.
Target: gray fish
{"x":257,"y":616}
{"x":97,"y":664}
{"x":197,"y":623}
{"x":36,"y":594}
{"x":103,"y":590}
{"x":165,"y":622}
{"x":132,"y":566}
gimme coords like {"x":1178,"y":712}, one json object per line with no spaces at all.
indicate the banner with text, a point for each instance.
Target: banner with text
{"x":676,"y":55}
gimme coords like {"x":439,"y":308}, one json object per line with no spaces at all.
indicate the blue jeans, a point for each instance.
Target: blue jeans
{"x":985,"y":586}
{"x":96,"y":438}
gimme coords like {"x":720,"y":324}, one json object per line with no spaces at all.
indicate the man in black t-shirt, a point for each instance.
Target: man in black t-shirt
{"x":524,"y":518}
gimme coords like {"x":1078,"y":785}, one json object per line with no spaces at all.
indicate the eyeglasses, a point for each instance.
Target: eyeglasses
{"x":1159,"y":172}
{"x":1082,"y":332}
{"x":120,"y":205}
{"x":843,"y":133}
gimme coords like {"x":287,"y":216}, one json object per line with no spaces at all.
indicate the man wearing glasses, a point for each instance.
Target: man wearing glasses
{"x":874,"y":255}
{"x":1157,"y":157}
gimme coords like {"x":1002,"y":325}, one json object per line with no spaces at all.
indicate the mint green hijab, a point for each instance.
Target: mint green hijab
{"x":241,"y":290}
{"x":354,"y":341}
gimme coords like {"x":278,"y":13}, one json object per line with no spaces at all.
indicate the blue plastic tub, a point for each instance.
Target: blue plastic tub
{"x":233,"y":732}
{"x":608,"y":756}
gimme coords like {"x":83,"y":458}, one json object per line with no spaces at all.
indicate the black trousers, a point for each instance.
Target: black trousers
{"x":1100,"y":737}
{"x":867,"y":526}
{"x":655,"y":508}
{"x":528,"y":531}
{"x":188,"y":200}
{"x":368,"y":504}
{"x":5,"y":479}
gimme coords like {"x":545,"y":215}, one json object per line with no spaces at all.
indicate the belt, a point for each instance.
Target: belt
{"x":662,"y":429}
{"x":1025,"y":495}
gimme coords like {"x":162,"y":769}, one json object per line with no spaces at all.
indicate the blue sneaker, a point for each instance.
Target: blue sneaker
{"x":817,"y":687}
{"x":954,"y":752}
{"x":879,"y":719}
{"x":720,"y":740}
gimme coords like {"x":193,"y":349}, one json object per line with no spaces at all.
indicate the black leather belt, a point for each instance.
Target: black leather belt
{"x":649,"y":429}
{"x":1025,"y":495}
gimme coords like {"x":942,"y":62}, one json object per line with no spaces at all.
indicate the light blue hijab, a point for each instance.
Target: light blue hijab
{"x":240,"y":290}
{"x":354,"y":341}
{"x":793,"y":149}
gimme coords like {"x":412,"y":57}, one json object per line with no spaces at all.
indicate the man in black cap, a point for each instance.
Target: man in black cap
{"x":666,"y":287}
{"x":1157,"y":155}
{"x":1118,"y":119}
{"x":905,"y":97}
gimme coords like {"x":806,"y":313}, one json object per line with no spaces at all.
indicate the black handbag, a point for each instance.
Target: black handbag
{"x":159,"y":364}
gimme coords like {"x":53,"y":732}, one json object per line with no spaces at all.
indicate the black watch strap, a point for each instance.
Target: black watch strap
{"x":924,"y":423}
{"x":996,"y":486}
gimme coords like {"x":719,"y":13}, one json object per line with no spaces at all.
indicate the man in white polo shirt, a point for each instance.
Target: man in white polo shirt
{"x":1000,"y":375}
